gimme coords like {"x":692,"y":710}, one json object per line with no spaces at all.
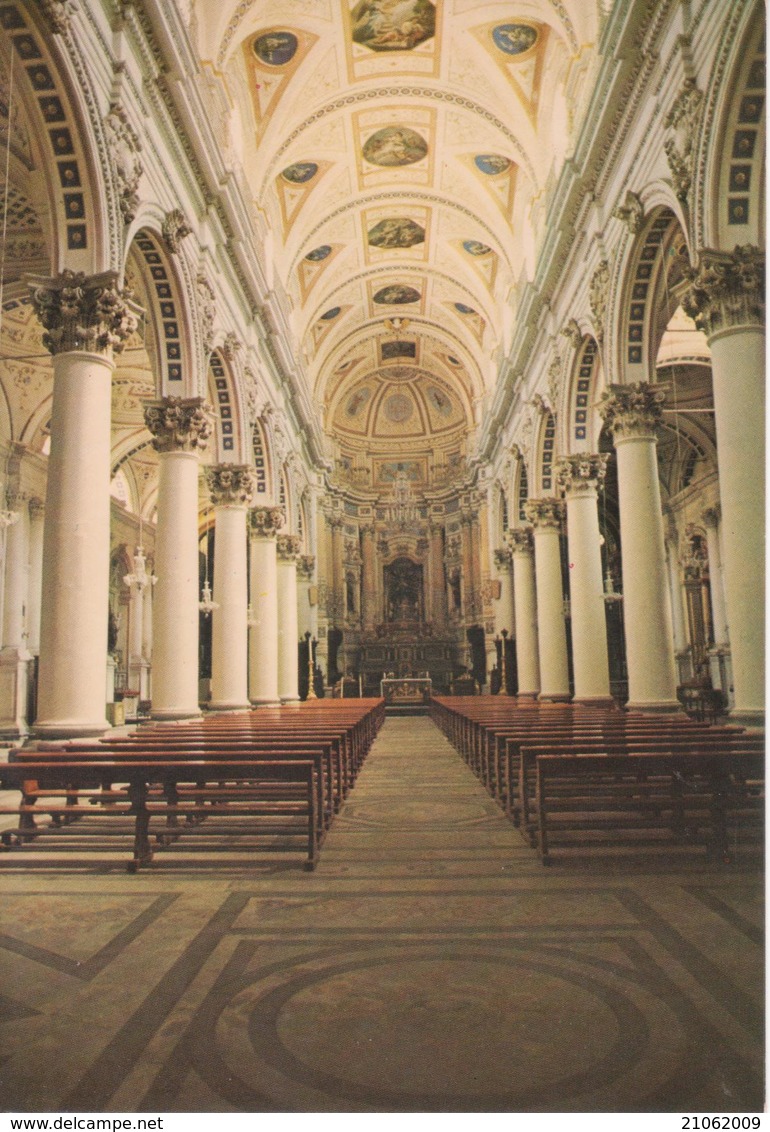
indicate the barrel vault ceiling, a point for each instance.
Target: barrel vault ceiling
{"x":399,"y":154}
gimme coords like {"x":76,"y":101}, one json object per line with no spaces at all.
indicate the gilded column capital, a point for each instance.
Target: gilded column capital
{"x":520,"y":539}
{"x":632,"y":410}
{"x":265,"y":522}
{"x":305,"y":566}
{"x":231,"y":485}
{"x":435,"y":529}
{"x":581,"y":473}
{"x":179,"y":424}
{"x":726,"y":289}
{"x":367,"y":530}
{"x":712,"y":517}
{"x":288,"y":547}
{"x":84,"y":312}
{"x":335,"y":522}
{"x":544,"y":514}
{"x":503,"y":557}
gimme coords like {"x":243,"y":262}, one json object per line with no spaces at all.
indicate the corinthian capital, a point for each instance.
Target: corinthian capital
{"x":305,"y":566}
{"x":231,"y":484}
{"x":266,"y":522}
{"x":581,"y":473}
{"x":503,"y":557}
{"x":520,"y":539}
{"x":544,"y":514}
{"x":726,"y":289}
{"x":179,"y":424}
{"x":288,"y":548}
{"x":632,"y":410}
{"x":81,"y":312}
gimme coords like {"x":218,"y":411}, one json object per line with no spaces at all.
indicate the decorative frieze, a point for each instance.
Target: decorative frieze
{"x":266,"y":522}
{"x":544,"y":514}
{"x":231,"y":485}
{"x":581,"y":473}
{"x":520,"y":539}
{"x":175,"y":228}
{"x":632,"y":410}
{"x":178,"y":424}
{"x":80,"y":312}
{"x":288,"y":548}
{"x":726,"y":289}
{"x":305,"y":567}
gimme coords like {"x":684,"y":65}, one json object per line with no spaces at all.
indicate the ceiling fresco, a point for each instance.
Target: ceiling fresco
{"x":400,"y":151}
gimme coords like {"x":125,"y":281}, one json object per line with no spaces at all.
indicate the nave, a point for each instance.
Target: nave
{"x":428,"y":964}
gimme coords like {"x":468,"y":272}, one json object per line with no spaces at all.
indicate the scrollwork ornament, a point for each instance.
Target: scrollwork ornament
{"x":632,"y":410}
{"x":231,"y":485}
{"x":206,"y":312}
{"x":175,"y":228}
{"x":598,"y":296}
{"x":573,"y":333}
{"x":683,"y":119}
{"x":80,"y":312}
{"x":630,"y":212}
{"x":266,"y":522}
{"x":58,"y":14}
{"x":726,"y":289}
{"x":178,"y":424}
{"x":124,"y":147}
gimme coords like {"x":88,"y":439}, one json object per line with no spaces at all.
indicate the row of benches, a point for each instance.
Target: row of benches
{"x":276,"y":776}
{"x":569,"y":775}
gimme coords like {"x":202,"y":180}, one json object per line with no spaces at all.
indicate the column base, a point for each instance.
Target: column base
{"x":594,"y":701}
{"x":526,"y":695}
{"x":555,"y":697}
{"x":174,"y":713}
{"x":266,"y":703}
{"x":69,"y":729}
{"x":225,"y":706}
{"x":747,"y":717}
{"x":290,"y":700}
{"x":656,"y":707}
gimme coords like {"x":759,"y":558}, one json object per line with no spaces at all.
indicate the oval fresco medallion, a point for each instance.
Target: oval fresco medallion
{"x":332,"y":312}
{"x":475,"y":247}
{"x":396,"y":232}
{"x":398,"y":408}
{"x":492,"y":163}
{"x":319,"y":253}
{"x":514,"y":39}
{"x":276,"y":48}
{"x":464,"y":309}
{"x":392,"y":25}
{"x":395,"y":145}
{"x":300,"y":172}
{"x":357,"y":401}
{"x":397,"y":293}
{"x":439,"y":400}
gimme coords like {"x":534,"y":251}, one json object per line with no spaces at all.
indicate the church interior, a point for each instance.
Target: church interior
{"x":382,"y":424}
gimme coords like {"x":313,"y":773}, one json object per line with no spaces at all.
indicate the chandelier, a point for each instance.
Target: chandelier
{"x":401,"y":509}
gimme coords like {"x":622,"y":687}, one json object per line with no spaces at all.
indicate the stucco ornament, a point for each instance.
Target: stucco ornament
{"x":725,"y":289}
{"x":124,"y":147}
{"x":231,"y":484}
{"x":80,"y":312}
{"x":178,"y":424}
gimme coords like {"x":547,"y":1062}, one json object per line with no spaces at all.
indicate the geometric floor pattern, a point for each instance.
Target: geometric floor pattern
{"x":430,"y":964}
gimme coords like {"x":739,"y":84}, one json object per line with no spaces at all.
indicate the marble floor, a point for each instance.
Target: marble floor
{"x":430,"y":964}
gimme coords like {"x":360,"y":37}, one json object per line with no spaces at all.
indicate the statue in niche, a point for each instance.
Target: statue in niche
{"x":404,"y":592}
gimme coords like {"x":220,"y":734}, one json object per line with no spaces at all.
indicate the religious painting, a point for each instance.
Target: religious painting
{"x":276,"y":48}
{"x":398,"y":350}
{"x":397,"y":293}
{"x":475,"y":247}
{"x":403,"y":590}
{"x":387,"y":472}
{"x":396,"y":232}
{"x":492,"y":164}
{"x":300,"y":172}
{"x":514,"y":39}
{"x":393,"y":25}
{"x":395,"y":145}
{"x":439,"y":400}
{"x":357,"y":401}
{"x":319,"y":253}
{"x":332,"y":312}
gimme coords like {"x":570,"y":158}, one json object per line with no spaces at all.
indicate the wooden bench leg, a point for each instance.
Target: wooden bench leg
{"x":142,"y":849}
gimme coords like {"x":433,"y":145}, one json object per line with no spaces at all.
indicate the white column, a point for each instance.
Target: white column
{"x":288,"y":639}
{"x":265,"y":522}
{"x":140,"y":583}
{"x":545,"y":516}
{"x":579,"y":477}
{"x":147,"y":628}
{"x":525,"y":599}
{"x":505,"y":617}
{"x":677,"y":604}
{"x":232,"y":488}
{"x":632,"y":412}
{"x":711,"y":519}
{"x":36,"y":526}
{"x":85,"y":321}
{"x":14,"y":657}
{"x":726,"y":298}
{"x":181,"y":428}
{"x":305,"y":568}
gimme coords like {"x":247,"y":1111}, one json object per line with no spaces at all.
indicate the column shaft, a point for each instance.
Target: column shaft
{"x":36,"y":525}
{"x":229,"y":629}
{"x":525,"y":601}
{"x":288,"y":634}
{"x":552,"y":637}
